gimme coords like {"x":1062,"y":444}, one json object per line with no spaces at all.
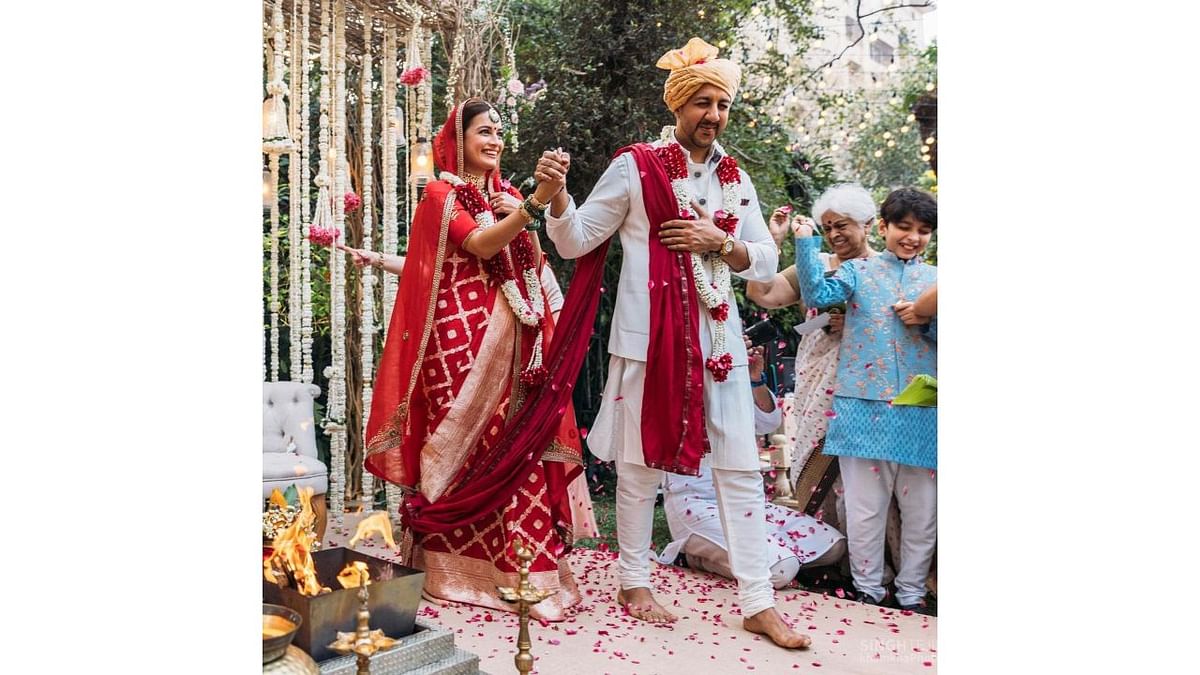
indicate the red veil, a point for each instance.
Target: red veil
{"x":396,"y":439}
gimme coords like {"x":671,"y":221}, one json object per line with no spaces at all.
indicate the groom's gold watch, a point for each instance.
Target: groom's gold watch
{"x":727,"y":245}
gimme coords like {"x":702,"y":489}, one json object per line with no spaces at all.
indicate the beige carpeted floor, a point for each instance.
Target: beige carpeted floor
{"x":599,"y":637}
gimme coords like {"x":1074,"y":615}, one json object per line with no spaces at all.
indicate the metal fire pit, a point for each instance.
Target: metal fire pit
{"x":393,"y":601}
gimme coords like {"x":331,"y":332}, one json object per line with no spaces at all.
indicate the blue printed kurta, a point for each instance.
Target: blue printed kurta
{"x":879,"y":356}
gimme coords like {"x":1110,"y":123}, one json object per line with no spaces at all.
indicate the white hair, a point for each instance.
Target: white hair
{"x":849,"y":199}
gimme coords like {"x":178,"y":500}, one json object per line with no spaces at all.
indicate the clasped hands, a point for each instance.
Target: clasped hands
{"x":698,"y":236}
{"x":551,"y":176}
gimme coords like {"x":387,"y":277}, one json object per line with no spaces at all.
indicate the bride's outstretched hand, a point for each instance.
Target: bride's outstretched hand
{"x":358,"y":256}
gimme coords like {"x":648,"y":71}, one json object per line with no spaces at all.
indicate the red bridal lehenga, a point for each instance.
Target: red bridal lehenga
{"x":449,"y":384}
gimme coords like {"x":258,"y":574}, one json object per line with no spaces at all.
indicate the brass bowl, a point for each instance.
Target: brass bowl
{"x":279,"y":627}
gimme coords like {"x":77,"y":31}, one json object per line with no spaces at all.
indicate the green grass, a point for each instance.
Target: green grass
{"x":605,"y":508}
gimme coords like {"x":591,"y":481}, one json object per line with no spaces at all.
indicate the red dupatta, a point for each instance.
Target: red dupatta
{"x":673,"y":393}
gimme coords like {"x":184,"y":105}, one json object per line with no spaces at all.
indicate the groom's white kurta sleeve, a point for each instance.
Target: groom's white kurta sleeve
{"x":550,"y":289}
{"x":764,"y":255}
{"x":579,"y":230}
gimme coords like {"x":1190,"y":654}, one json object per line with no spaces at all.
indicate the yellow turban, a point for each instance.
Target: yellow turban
{"x":693,"y":67}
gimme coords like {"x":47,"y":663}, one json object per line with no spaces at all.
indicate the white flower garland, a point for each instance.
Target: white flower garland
{"x":456,"y":58}
{"x":296,"y":73}
{"x":337,"y":381}
{"x":273,"y":164}
{"x":390,"y":233}
{"x":715,"y":291}
{"x":391,"y":227}
{"x":306,"y":312}
{"x":368,"y":276}
{"x":276,"y":141}
{"x":529,"y":312}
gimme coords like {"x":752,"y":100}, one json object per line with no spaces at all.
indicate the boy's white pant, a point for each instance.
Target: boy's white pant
{"x":869,"y":485}
{"x":740,"y":502}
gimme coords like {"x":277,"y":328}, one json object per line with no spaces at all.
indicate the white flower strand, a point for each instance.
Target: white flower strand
{"x":390,"y":232}
{"x":305,"y":254}
{"x":273,"y":164}
{"x":306,"y":311}
{"x":276,"y":141}
{"x":337,"y":383}
{"x":367,"y":332}
{"x":323,"y":217}
{"x":295,"y":74}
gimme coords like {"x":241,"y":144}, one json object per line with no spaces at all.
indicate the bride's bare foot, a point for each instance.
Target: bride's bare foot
{"x":768,"y":622}
{"x":641,"y":605}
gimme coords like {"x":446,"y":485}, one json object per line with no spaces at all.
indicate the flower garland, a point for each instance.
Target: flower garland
{"x":414,"y":76}
{"x":390,"y":233}
{"x":367,"y":332}
{"x":714,"y":292}
{"x":337,"y":282}
{"x":456,"y":62}
{"x":306,"y":313}
{"x":276,"y":141}
{"x":295,"y":72}
{"x":273,"y":305}
{"x":529,"y":311}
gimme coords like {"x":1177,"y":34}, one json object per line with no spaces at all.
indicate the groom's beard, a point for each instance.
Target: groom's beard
{"x":700,"y":141}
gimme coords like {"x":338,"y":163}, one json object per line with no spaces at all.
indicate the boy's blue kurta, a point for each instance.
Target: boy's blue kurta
{"x":879,"y":355}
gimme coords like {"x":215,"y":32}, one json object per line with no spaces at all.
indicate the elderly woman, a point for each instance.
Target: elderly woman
{"x":845,"y":213}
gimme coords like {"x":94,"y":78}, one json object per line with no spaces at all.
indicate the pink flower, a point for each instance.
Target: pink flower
{"x":515,"y":87}
{"x":413,"y":76}
{"x":323,"y":236}
{"x":351,"y":202}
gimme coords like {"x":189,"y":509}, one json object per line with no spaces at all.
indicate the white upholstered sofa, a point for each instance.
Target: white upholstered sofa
{"x":290,"y":443}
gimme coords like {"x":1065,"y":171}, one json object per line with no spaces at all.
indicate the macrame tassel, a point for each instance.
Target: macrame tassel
{"x":277,"y":139}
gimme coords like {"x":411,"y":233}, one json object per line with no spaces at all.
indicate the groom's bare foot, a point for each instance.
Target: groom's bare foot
{"x":768,"y":622}
{"x":641,"y":605}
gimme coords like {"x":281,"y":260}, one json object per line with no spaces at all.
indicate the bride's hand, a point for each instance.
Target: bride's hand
{"x":358,"y":256}
{"x":504,"y":203}
{"x":551,"y":171}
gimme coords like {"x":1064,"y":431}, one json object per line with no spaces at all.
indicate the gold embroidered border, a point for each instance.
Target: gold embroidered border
{"x":557,"y":452}
{"x":456,"y":437}
{"x":458,"y":578}
{"x":391,"y":437}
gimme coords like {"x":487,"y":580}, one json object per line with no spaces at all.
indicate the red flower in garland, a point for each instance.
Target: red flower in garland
{"x":720,"y":367}
{"x":351,"y":202}
{"x":726,"y":221}
{"x":471,"y":199}
{"x":720,"y":312}
{"x":413,"y":76}
{"x":672,"y":158}
{"x":534,"y":376}
{"x":727,"y":170}
{"x":522,"y":250}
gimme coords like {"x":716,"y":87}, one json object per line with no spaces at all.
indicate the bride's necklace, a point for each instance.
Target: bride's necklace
{"x":479,"y":182}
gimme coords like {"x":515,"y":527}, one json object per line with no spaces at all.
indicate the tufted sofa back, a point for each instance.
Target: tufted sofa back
{"x":288,"y":416}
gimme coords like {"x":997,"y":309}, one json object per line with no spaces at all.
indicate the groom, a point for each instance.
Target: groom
{"x":677,"y":387}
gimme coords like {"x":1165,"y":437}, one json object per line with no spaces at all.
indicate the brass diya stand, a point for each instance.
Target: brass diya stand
{"x":364,"y":642}
{"x":523,"y":596}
